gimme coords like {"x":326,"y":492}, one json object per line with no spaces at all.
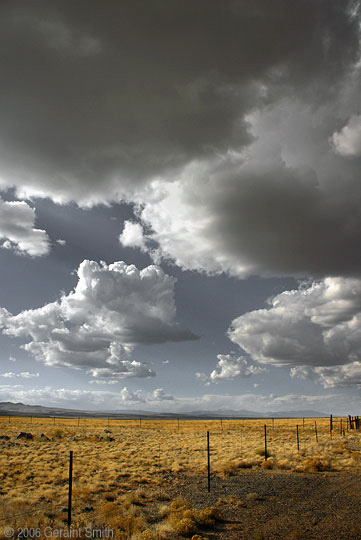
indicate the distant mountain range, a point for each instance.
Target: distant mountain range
{"x":9,"y":408}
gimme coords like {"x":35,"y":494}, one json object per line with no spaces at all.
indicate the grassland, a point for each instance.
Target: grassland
{"x":121,"y":468}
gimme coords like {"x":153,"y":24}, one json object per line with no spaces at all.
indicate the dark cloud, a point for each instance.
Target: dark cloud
{"x":98,"y":96}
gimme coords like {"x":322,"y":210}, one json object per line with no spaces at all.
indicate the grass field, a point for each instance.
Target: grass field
{"x":120,"y":467}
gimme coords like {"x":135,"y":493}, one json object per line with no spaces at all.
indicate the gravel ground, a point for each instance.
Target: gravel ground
{"x":275,"y":505}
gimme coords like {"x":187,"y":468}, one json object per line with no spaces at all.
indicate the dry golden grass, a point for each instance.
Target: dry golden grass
{"x":118,"y":476}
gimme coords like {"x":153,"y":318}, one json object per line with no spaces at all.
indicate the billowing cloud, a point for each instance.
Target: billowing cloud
{"x":96,"y":326}
{"x":18,"y":232}
{"x":347,"y":142}
{"x":316,"y":329}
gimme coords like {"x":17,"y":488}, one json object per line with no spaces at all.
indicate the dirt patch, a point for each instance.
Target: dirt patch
{"x":269,"y":505}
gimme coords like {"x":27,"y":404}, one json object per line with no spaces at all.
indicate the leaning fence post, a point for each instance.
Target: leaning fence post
{"x":70,"y":485}
{"x":208,"y":464}
{"x":298,"y":440}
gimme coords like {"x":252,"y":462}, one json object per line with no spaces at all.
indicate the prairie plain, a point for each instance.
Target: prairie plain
{"x":147,"y":479}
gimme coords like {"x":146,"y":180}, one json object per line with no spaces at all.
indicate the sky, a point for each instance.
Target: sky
{"x":180,"y":205}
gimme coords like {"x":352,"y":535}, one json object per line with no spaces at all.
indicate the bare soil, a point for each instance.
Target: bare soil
{"x":269,"y":505}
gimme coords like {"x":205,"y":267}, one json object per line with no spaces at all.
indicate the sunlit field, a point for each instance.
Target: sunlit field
{"x":121,"y":467}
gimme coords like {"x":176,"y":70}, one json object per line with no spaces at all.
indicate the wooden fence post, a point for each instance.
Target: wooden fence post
{"x":70,"y":486}
{"x":298,"y":440}
{"x":208,"y":464}
{"x":316,"y":434}
{"x":331,"y":424}
{"x":341,"y":427}
{"x":265,"y":442}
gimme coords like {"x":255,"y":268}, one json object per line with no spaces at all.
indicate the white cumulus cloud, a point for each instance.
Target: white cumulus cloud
{"x":97,"y":325}
{"x":128,"y":395}
{"x":231,"y":367}
{"x":160,"y":395}
{"x":132,"y":236}
{"x":18,"y":232}
{"x":315,"y":329}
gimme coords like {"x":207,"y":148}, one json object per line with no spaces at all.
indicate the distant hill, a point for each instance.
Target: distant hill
{"x":252,"y":414}
{"x":9,"y":408}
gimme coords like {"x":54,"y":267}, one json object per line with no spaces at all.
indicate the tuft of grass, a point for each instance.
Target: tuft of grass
{"x":261,"y":452}
{"x":268,"y":464}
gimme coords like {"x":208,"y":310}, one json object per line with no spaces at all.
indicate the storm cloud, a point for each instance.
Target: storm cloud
{"x":97,"y":98}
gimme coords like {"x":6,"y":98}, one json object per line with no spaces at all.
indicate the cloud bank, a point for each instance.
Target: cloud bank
{"x":135,"y":399}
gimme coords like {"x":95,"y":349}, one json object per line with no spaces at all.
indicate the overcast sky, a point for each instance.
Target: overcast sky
{"x":180,"y":204}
